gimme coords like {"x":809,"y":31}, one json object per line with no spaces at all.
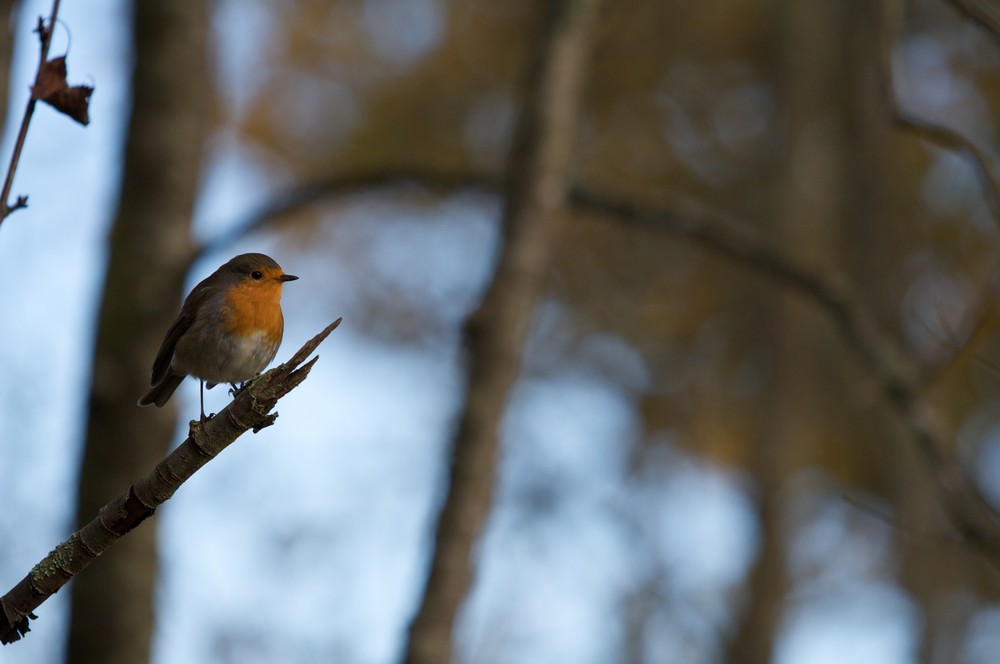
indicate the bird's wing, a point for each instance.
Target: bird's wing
{"x":183,"y":322}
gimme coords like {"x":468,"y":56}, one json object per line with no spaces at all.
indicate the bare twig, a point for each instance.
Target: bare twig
{"x":45,"y":37}
{"x":251,"y":409}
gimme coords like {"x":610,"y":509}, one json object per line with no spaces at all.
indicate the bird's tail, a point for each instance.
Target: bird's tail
{"x":160,"y":393}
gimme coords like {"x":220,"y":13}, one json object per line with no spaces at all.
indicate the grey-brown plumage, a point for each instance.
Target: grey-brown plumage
{"x":228,"y":330}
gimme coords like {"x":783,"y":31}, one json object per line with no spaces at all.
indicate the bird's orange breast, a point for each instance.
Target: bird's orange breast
{"x":253,"y":308}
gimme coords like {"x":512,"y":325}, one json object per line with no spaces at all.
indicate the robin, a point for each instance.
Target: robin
{"x":228,"y":330}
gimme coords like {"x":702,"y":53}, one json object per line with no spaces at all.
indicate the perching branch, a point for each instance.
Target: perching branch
{"x":251,"y":409}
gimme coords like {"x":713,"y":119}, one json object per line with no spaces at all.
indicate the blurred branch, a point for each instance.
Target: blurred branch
{"x":736,"y":241}
{"x":965,"y":499}
{"x":539,"y":170}
{"x":9,"y":11}
{"x":940,"y":135}
{"x":976,"y":520}
{"x":949,"y":139}
{"x":725,"y":236}
{"x":45,"y":37}
{"x":977,"y":324}
{"x":898,"y":376}
{"x":984,"y":14}
{"x":308,"y":193}
{"x":901,"y":379}
{"x":144,"y":266}
{"x":251,"y":409}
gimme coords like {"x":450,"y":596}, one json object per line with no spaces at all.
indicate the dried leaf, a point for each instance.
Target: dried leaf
{"x":51,"y":78}
{"x":74,"y":102}
{"x":51,"y":87}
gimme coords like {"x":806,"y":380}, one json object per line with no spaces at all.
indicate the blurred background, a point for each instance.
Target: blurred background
{"x":694,"y":465}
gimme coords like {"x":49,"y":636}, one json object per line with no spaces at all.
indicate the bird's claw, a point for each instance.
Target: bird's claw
{"x":234,"y":389}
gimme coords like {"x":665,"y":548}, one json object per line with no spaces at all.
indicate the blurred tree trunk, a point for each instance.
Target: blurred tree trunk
{"x":812,"y":77}
{"x":931,"y":572}
{"x":8,"y":11}
{"x":767,"y":585}
{"x":538,"y":175}
{"x":150,"y":249}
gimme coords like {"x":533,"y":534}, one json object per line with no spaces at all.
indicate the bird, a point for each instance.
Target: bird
{"x":229,"y":328}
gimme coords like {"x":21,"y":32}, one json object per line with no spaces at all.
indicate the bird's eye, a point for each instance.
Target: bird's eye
{"x":256,"y":274}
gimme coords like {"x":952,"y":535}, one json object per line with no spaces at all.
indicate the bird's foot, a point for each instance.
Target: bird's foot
{"x":234,"y":389}
{"x":204,"y":418}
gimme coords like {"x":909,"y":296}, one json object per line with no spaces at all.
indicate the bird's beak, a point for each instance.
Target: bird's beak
{"x":287,"y":277}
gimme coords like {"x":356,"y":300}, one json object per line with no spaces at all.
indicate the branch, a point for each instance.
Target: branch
{"x":951,"y":140}
{"x":940,"y":135}
{"x":976,"y":520}
{"x":985,"y":15}
{"x":45,"y":36}
{"x":305,"y":194}
{"x":251,"y":409}
{"x":539,"y":169}
{"x":726,"y":236}
{"x":964,"y":337}
{"x":973,"y":517}
{"x":901,"y":380}
{"x":734,"y":240}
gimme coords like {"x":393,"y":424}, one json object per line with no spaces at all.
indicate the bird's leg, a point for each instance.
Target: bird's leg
{"x":201,"y":389}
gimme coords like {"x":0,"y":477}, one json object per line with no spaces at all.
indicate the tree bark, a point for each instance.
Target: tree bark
{"x":8,"y":9}
{"x":150,"y":249}
{"x":809,"y":213}
{"x":251,"y":409}
{"x":538,"y":178}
